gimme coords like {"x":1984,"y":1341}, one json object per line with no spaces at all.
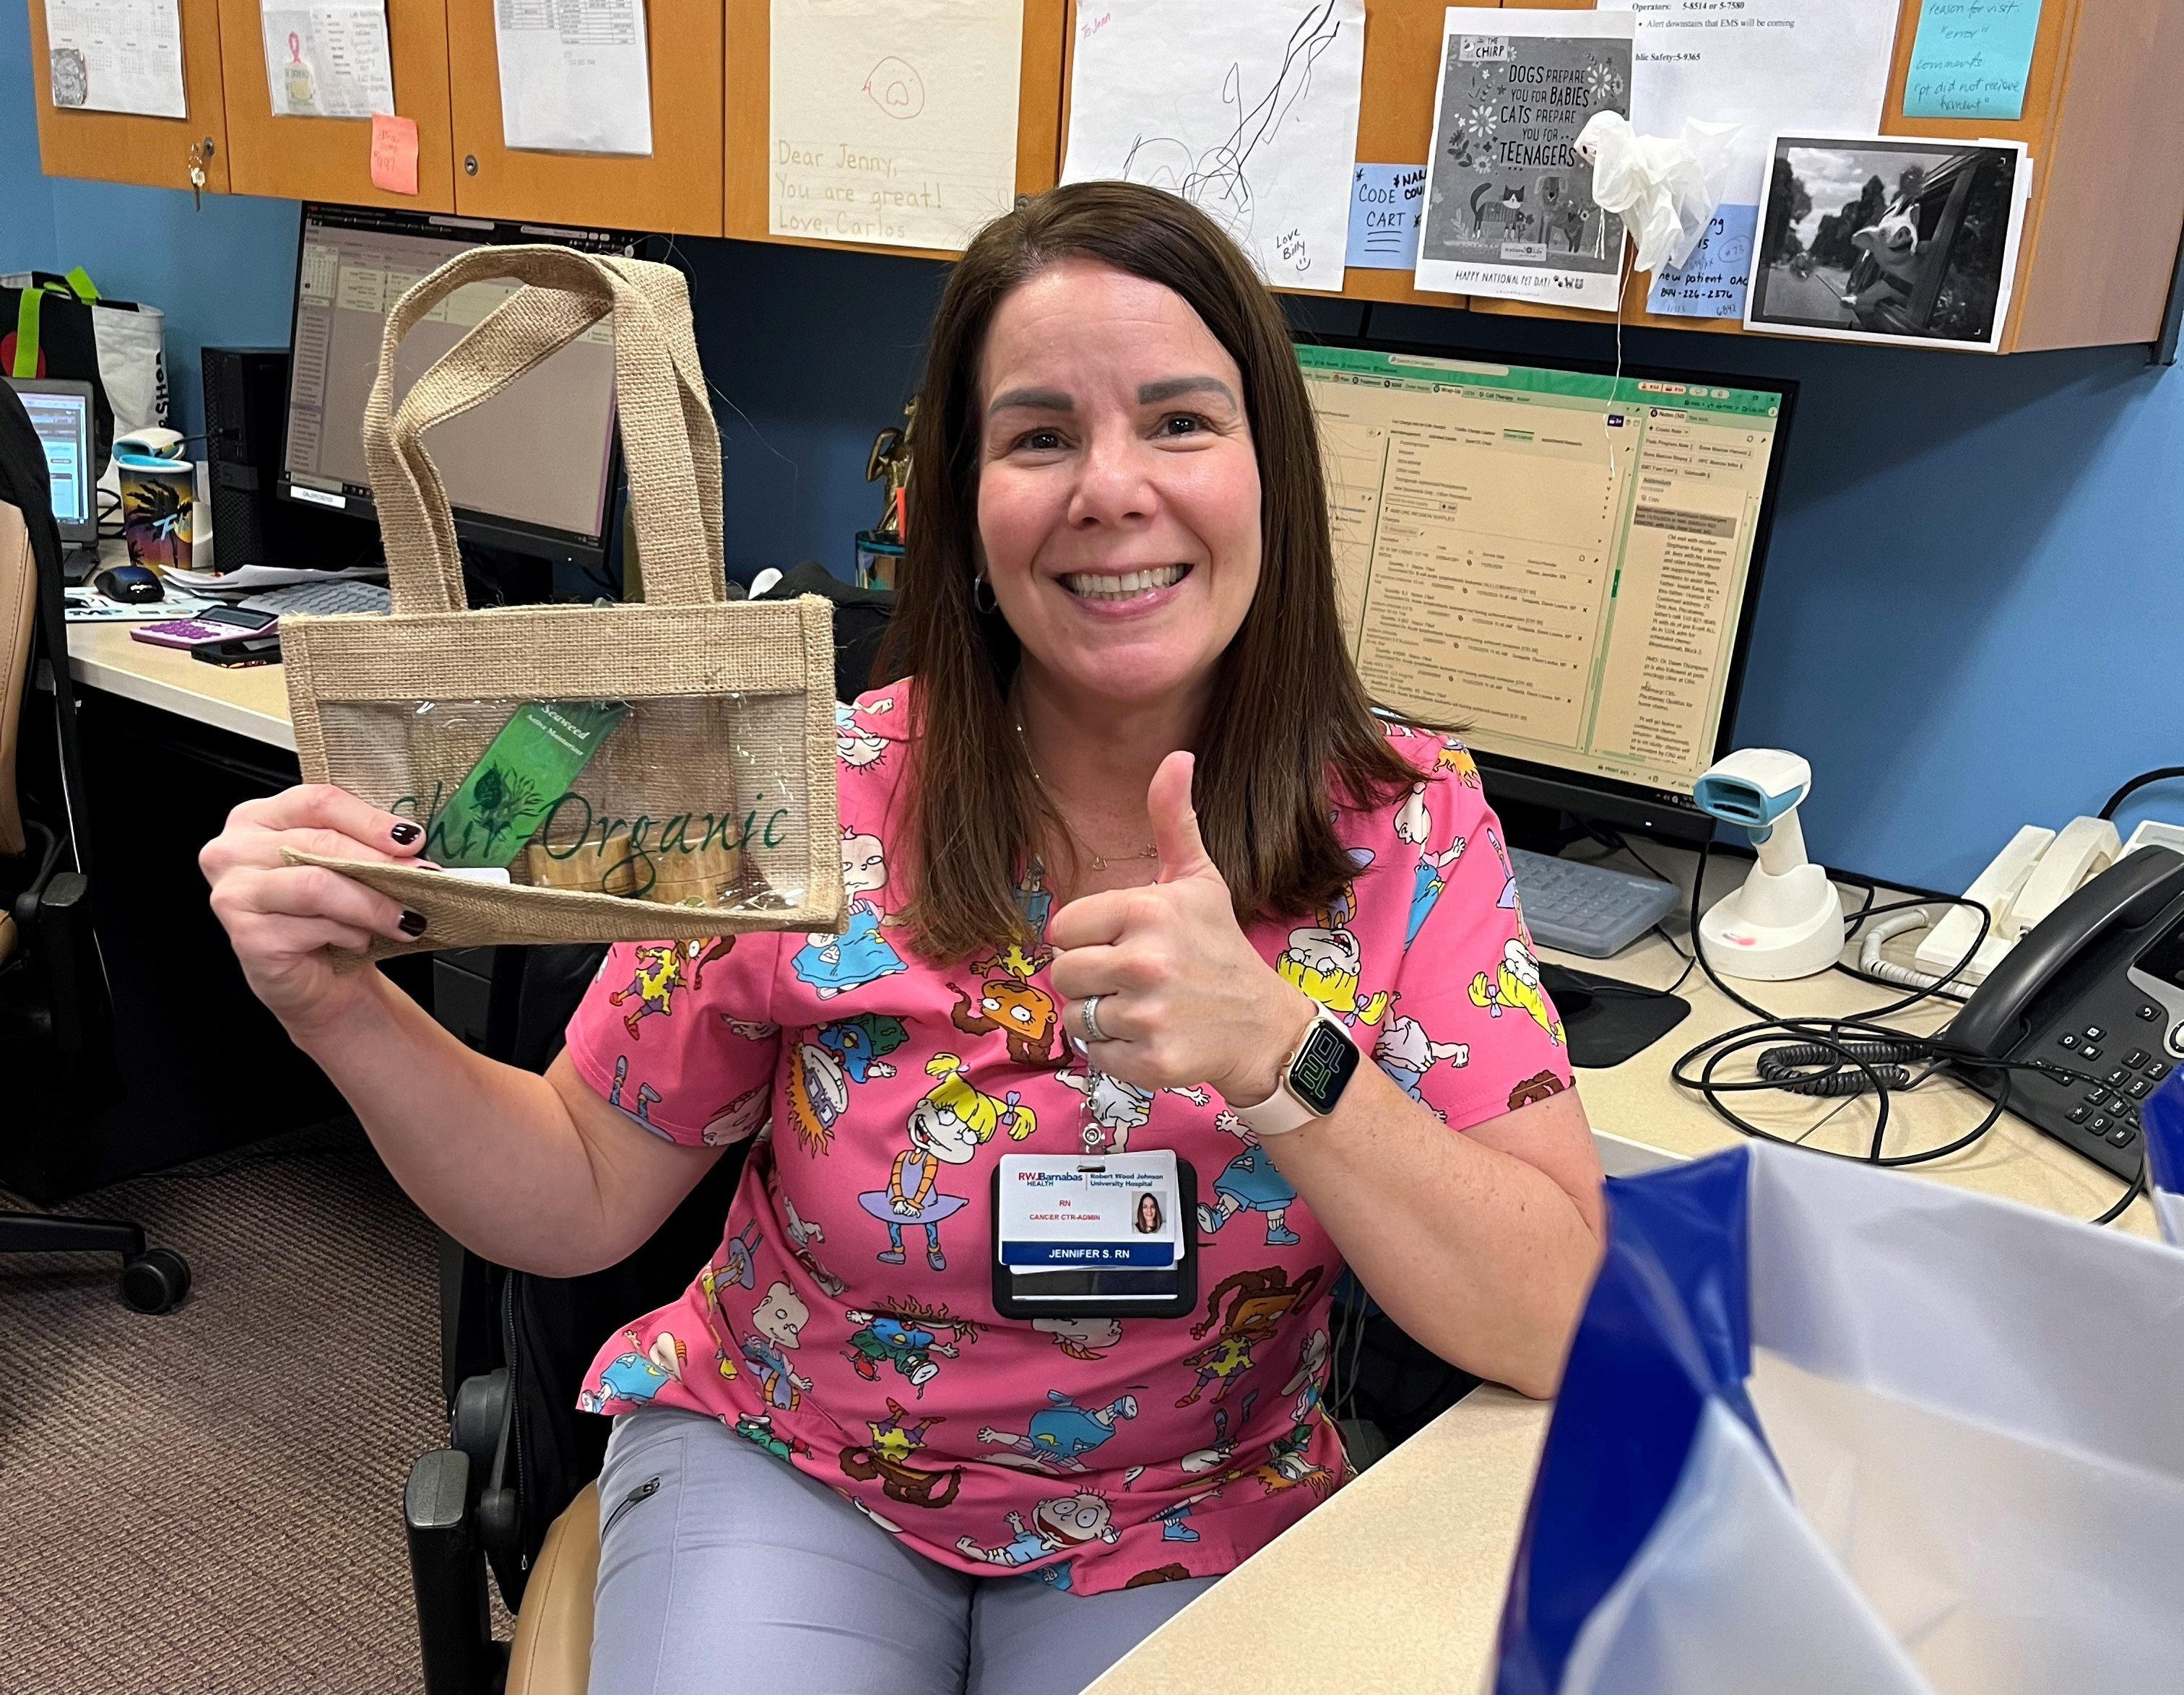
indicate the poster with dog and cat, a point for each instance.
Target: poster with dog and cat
{"x":1509,"y":208}
{"x":1889,"y":238}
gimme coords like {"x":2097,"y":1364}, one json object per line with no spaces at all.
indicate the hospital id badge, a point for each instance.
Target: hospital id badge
{"x":1108,"y":1236}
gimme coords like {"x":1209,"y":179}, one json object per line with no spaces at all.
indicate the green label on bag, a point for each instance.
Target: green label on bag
{"x":518,"y":780}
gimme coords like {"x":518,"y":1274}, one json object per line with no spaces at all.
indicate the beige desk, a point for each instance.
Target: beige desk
{"x":251,"y":702}
{"x":1396,"y":1585}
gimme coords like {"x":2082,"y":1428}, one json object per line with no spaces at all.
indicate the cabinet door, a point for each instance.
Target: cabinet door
{"x":330,"y":159}
{"x":676,"y":188}
{"x":116,"y":147}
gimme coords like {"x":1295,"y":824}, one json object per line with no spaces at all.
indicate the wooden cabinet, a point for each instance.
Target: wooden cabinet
{"x":676,"y":188}
{"x":748,"y":88}
{"x":330,"y":159}
{"x":112,"y":147}
{"x":2099,"y":125}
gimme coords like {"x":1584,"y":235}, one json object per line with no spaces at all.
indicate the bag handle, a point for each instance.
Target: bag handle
{"x":671,"y":447}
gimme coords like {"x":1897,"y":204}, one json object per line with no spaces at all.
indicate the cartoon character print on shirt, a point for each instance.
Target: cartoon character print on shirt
{"x":1430,"y":877}
{"x":1407,"y":1053}
{"x":1058,"y":1525}
{"x":1113,"y":1108}
{"x":1061,"y":1434}
{"x":834,"y":964}
{"x":735,"y":1266}
{"x":1009,"y":1004}
{"x":1540,"y":1086}
{"x":887,"y":1458}
{"x":778,"y":1324}
{"x":1262,"y":1299}
{"x":741,"y":1119}
{"x":1086,"y":1339}
{"x":635,"y":1375}
{"x":946,"y":1128}
{"x":634,"y":1104}
{"x":907,"y":1335}
{"x":822,"y":1067}
{"x":1250,"y":1182}
{"x":856,"y":746}
{"x":758,"y":1427}
{"x":801,"y":1233}
{"x":1507,"y":901}
{"x":1322,"y":961}
{"x":1455,"y":759}
{"x":658,"y":969}
{"x":1517,"y":984}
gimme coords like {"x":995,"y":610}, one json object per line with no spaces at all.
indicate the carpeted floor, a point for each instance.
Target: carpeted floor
{"x":211,"y":1500}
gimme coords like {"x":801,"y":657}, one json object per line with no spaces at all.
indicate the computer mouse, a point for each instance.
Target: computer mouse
{"x":130,"y":583}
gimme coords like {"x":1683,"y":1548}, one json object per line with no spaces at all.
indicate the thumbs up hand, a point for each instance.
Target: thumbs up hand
{"x":1184,"y":997}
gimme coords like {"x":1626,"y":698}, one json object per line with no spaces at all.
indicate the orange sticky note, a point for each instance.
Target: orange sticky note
{"x":393,"y":153}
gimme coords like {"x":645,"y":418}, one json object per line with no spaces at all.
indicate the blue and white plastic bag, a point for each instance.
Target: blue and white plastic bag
{"x":1829,"y":1428}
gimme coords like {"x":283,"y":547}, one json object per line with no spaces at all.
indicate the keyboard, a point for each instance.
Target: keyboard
{"x":316,"y":600}
{"x":1588,"y":909}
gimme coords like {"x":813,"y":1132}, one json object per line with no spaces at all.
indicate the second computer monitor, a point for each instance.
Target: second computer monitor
{"x":1560,"y":562}
{"x":531,"y":469}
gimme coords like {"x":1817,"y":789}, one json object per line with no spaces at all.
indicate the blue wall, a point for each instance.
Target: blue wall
{"x":1970,"y":608}
{"x":26,"y":201}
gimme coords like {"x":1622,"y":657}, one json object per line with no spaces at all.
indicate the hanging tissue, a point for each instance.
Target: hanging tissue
{"x":1666,"y":191}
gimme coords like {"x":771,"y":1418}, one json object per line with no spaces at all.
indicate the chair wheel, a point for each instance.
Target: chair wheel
{"x":154,"y":1280}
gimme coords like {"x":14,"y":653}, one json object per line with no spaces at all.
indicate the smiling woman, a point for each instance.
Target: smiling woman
{"x":1126,"y":455}
{"x":835,"y":1458}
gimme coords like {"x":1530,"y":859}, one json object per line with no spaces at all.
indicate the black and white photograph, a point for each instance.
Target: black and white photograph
{"x":1889,"y":238}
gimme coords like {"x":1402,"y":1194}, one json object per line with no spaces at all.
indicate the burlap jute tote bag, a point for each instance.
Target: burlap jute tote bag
{"x":615,"y":773}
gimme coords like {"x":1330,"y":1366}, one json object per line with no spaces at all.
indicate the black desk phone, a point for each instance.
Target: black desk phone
{"x":2094,"y":994}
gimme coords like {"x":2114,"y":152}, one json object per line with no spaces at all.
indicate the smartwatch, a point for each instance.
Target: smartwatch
{"x":1312,"y":1082}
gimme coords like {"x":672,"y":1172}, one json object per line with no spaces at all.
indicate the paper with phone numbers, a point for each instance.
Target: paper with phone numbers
{"x":393,"y":153}
{"x":1076,"y":1214}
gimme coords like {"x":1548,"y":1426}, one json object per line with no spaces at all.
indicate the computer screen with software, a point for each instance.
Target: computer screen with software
{"x":532,"y":468}
{"x":61,"y":414}
{"x":1562,"y":563}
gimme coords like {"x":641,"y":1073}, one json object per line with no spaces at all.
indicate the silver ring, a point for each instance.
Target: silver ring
{"x":1088,"y":1016}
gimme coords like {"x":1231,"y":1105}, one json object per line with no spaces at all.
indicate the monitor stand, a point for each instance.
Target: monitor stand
{"x":1606,"y":1020}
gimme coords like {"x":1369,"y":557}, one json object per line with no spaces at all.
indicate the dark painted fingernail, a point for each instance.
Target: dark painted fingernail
{"x":411,"y":923}
{"x":405,"y":833}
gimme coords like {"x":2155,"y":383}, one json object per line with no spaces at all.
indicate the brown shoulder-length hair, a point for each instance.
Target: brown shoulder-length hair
{"x":1290,"y":733}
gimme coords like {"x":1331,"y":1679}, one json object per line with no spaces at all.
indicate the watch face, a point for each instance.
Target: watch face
{"x":1322,"y":1067}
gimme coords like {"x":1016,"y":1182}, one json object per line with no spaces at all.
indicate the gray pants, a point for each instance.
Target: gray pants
{"x":735,"y":1571}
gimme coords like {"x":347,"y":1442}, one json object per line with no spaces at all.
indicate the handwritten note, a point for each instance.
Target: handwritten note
{"x":893,"y":121}
{"x":1247,"y":108}
{"x":393,"y":154}
{"x":1386,"y":204}
{"x":1971,"y":58}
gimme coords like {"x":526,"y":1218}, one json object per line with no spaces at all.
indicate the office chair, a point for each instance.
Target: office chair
{"x":52,"y":989}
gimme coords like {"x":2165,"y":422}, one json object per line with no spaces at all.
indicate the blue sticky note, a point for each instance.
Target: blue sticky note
{"x":1386,"y":204}
{"x":1971,"y":58}
{"x":1711,"y":284}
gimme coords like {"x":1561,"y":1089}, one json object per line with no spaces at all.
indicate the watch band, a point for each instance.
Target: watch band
{"x":1283,"y":1111}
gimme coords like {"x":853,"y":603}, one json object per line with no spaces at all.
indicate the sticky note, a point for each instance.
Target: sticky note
{"x":1386,"y":203}
{"x":1711,"y":284}
{"x":1970,"y":59}
{"x":393,"y":153}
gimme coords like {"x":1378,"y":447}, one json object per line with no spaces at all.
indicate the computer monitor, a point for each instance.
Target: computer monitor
{"x":1561,"y":563}
{"x":532,"y":469}
{"x":61,"y":412}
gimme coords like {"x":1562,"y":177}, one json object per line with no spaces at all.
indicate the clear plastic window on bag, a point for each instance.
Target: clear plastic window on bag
{"x":684,"y":801}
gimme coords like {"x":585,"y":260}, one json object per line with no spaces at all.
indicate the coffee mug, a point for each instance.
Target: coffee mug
{"x":158,"y":499}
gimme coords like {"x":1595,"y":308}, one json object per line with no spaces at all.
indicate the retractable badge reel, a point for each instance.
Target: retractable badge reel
{"x":1100,"y":1234}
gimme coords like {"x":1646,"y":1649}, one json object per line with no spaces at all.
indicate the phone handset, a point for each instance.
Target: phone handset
{"x":2026,"y":882}
{"x":2130,"y":893}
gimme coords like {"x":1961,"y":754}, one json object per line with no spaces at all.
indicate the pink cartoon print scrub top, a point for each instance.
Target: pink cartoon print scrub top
{"x":847,"y":1325}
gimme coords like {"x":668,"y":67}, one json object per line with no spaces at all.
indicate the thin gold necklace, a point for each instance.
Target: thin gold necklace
{"x":1150,"y":851}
